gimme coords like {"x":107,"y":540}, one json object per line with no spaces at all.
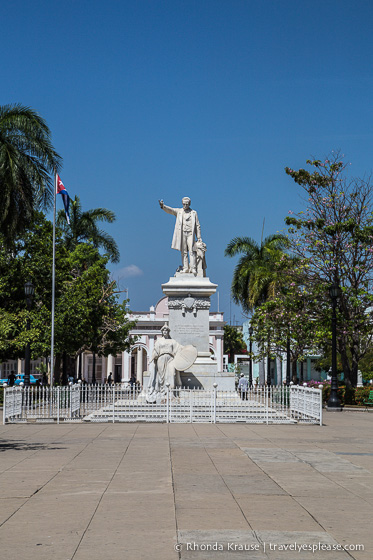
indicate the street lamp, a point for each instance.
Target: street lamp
{"x":334,"y":402}
{"x":251,"y":330}
{"x":29,"y":294}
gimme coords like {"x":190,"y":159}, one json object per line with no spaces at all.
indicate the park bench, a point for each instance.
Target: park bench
{"x":369,"y":402}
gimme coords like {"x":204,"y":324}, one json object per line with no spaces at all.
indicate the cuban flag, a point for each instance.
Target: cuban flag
{"x":65,"y":197}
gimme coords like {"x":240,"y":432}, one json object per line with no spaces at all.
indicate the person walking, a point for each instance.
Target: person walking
{"x":243,"y":386}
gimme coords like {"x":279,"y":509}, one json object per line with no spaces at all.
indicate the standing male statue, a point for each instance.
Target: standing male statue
{"x":187,"y":229}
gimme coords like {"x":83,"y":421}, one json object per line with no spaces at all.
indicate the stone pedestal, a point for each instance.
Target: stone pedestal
{"x":189,"y":308}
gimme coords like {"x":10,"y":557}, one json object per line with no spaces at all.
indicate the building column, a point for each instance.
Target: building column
{"x":219,"y":353}
{"x":150,"y":354}
{"x":279,"y":371}
{"x":110,"y":366}
{"x":103,"y":368}
{"x":262,"y":372}
{"x":126,"y":357}
{"x":139,"y":365}
{"x":85,"y":366}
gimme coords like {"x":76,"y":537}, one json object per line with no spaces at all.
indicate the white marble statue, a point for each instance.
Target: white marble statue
{"x":187,"y":231}
{"x":165,"y":349}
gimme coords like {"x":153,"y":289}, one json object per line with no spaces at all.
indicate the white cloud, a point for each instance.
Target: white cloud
{"x":128,"y":272}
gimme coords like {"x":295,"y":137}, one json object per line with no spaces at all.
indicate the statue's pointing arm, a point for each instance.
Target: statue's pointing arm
{"x":167,"y":209}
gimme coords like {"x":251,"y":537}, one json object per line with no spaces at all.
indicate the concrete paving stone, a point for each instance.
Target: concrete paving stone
{"x":122,"y":483}
{"x":348,"y":520}
{"x":281,"y":513}
{"x":8,"y":506}
{"x":153,"y":545}
{"x":123,"y":525}
{"x":255,"y":484}
{"x":363,"y":461}
{"x":361,"y":486}
{"x":235,"y":465}
{"x":51,"y":527}
{"x":270,"y":455}
{"x":325,"y":461}
{"x":185,"y":499}
{"x":204,"y":443}
{"x":230,"y":517}
{"x":309,"y":484}
{"x":301,"y":478}
{"x":23,"y":484}
{"x":137,"y":512}
{"x":202,"y":483}
{"x":224,"y":544}
{"x":121,"y":490}
{"x":284,"y":545}
{"x":202,"y":465}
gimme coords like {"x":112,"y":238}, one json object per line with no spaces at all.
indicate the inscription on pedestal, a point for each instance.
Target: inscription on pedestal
{"x":189,"y":329}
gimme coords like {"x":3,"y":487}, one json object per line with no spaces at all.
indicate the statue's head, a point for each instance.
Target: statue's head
{"x":186,"y":202}
{"x":165,"y":330}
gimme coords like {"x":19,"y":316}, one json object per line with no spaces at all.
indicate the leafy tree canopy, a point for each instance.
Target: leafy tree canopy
{"x":233,"y":342}
{"x":256,"y":274}
{"x":88,"y":314}
{"x":27,"y":159}
{"x":83,"y":228}
{"x":333,"y":242}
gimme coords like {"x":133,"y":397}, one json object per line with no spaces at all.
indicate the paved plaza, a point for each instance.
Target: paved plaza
{"x":187,"y":491}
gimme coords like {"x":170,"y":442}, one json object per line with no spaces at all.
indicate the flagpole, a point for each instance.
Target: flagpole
{"x":53,"y":276}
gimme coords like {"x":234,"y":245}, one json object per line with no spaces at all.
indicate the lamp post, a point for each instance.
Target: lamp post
{"x":269,"y":363}
{"x":288,"y":359}
{"x":29,"y":294}
{"x":334,"y":402}
{"x":251,"y":330}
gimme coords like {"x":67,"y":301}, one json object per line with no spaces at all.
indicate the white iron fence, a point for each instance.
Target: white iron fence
{"x":116,"y":403}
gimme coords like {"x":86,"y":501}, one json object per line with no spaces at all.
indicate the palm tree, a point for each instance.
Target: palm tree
{"x":83,"y":228}
{"x":255,"y":277}
{"x":27,"y":159}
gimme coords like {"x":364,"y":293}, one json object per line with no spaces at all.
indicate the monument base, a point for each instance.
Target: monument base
{"x":201,"y":380}
{"x":189,"y":307}
{"x":205,"y":380}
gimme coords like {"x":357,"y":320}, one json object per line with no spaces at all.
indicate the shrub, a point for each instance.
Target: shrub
{"x":347,"y":395}
{"x":362,"y":394}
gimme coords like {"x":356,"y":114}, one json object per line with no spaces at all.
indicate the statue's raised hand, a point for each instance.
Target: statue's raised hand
{"x":161,"y":204}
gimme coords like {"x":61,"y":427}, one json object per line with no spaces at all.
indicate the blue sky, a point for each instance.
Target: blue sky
{"x":209,"y":99}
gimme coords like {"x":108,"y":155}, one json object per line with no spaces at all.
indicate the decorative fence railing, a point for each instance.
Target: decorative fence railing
{"x":116,"y":403}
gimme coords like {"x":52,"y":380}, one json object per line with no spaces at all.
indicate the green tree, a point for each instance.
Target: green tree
{"x":332,"y":240}
{"x":83,"y":228}
{"x":27,"y":158}
{"x":288,"y":316}
{"x":233,"y":342}
{"x":256,"y":275}
{"x":88,"y":314}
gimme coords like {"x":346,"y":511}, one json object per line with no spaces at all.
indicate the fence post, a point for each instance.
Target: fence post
{"x":215,"y":385}
{"x":267,"y":389}
{"x":4,"y":403}
{"x":113,"y":403}
{"x":58,"y":405}
{"x":321,"y":388}
{"x":304,"y":403}
{"x":71,"y":402}
{"x":168,"y":404}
